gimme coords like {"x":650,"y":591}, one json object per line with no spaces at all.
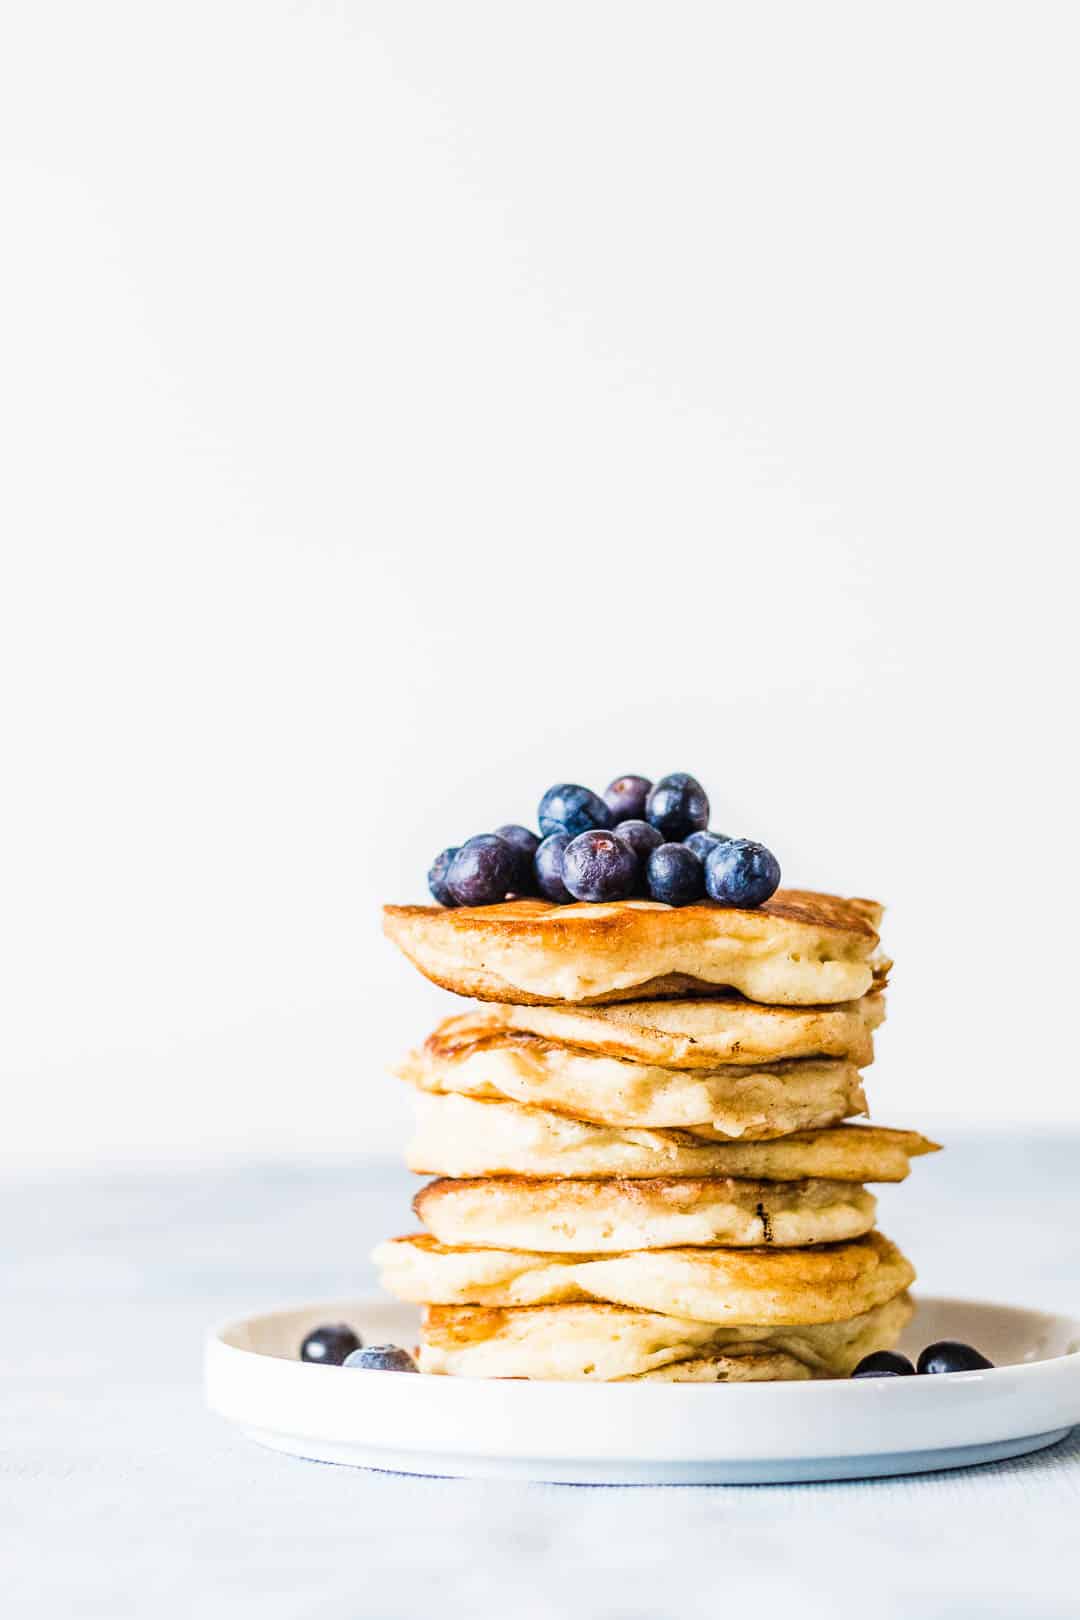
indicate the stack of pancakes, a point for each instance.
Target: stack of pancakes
{"x":642,"y":1166}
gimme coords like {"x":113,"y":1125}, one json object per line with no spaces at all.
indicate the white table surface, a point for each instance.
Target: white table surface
{"x":120,"y":1496}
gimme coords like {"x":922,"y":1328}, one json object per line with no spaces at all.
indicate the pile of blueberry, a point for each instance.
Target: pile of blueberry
{"x":641,"y":839}
{"x":946,"y":1356}
{"x":336,"y":1345}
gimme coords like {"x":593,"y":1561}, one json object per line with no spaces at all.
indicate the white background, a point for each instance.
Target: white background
{"x":405,"y":406}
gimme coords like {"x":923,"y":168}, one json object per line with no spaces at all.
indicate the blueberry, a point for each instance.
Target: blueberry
{"x":599,"y":866}
{"x":884,"y":1364}
{"x":676,"y":875}
{"x":330,"y":1344}
{"x":949,"y":1355}
{"x":382,"y":1358}
{"x":548,"y":869}
{"x":525,"y":845}
{"x":625,"y":797}
{"x":436,"y":878}
{"x":642,"y":838}
{"x":741,"y":873}
{"x":702,"y":843}
{"x":677,"y":805}
{"x":568,"y":808}
{"x":482,"y":871}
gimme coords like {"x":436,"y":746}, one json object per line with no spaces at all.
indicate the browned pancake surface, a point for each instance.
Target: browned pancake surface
{"x":799,"y":948}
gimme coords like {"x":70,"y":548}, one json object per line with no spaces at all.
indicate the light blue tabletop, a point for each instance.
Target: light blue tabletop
{"x":120,"y":1496}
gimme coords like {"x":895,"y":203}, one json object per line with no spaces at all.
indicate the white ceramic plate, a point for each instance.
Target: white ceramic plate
{"x":647,"y":1434}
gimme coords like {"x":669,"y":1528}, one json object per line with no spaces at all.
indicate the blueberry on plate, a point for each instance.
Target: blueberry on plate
{"x":482,"y":871}
{"x":598,"y":865}
{"x":741,"y":873}
{"x":678,"y":805}
{"x":642,"y":838}
{"x":675,"y":875}
{"x":382,"y":1358}
{"x":625,"y":797}
{"x":525,"y":845}
{"x":567,"y":807}
{"x":436,"y":878}
{"x":949,"y":1355}
{"x":548,"y":869}
{"x":884,"y":1364}
{"x":330,"y":1344}
{"x":704,"y":842}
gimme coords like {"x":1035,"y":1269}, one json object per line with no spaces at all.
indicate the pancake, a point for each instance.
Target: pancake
{"x":611,"y":1215}
{"x":764,"y":1367}
{"x":605,"y":1343}
{"x":462,"y":1136}
{"x":737,"y":1287}
{"x":798,"y":949}
{"x":731,"y":1101}
{"x":705,"y":1033}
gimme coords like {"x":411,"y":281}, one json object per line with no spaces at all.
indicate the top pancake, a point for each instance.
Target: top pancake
{"x":798,"y":949}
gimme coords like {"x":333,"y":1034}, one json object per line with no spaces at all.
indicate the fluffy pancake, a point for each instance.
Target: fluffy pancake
{"x":704,"y":1033}
{"x":797,"y":949}
{"x":605,"y":1343}
{"x":764,"y":1367}
{"x":611,"y":1215}
{"x":732,"y":1101}
{"x":463,"y":1136}
{"x":736,"y":1287}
